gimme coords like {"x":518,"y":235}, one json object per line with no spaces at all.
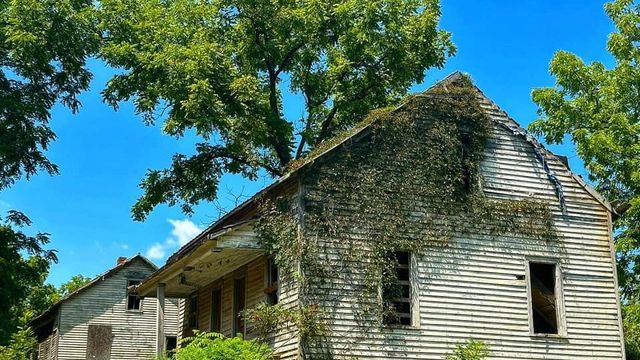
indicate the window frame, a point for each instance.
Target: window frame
{"x":217,"y":289}
{"x":128,"y":294}
{"x":236,"y":313}
{"x":192,"y":311}
{"x":271,"y":288}
{"x":559,"y":296}
{"x":414,"y":299}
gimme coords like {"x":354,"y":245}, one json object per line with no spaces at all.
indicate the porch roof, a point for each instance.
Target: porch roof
{"x":219,"y":253}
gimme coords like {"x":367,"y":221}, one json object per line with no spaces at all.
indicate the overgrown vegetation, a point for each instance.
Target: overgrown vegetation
{"x":411,"y":185}
{"x":213,"y":346}
{"x":470,"y":350}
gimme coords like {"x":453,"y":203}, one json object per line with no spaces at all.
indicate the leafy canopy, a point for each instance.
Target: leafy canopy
{"x":43,"y":48}
{"x":20,"y":274}
{"x":220,"y":68}
{"x":599,"y":109}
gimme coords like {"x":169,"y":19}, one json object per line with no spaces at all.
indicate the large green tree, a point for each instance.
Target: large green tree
{"x":598,"y":107}
{"x":43,"y":48}
{"x":221,"y":67}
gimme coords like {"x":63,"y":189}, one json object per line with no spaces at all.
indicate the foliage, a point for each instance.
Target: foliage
{"x":598,"y":109}
{"x":20,"y":347}
{"x":470,"y":350}
{"x":75,"y":283}
{"x":268,"y":319}
{"x":214,"y":346}
{"x":43,"y":48}
{"x":220,"y":68}
{"x":411,"y":184}
{"x":20,"y":274}
{"x":631,"y":322}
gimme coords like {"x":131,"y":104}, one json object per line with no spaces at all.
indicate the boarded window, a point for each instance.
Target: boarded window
{"x":216,"y":310}
{"x":238,"y":305}
{"x":99,"y":338}
{"x":397,"y":296}
{"x":171,"y":343}
{"x":193,"y":311}
{"x":544,"y":297}
{"x":133,"y":300}
{"x":271,"y":290}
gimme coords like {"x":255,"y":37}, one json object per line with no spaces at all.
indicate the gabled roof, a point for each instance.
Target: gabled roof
{"x":498,"y":116}
{"x":93,"y":282}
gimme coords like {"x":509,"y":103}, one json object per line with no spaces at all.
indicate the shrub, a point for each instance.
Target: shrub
{"x":631,"y":321}
{"x":21,"y":346}
{"x":470,"y":350}
{"x":212,"y":346}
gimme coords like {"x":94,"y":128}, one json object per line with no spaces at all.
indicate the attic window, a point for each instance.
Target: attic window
{"x":133,"y":300}
{"x":544,"y":300}
{"x":271,"y":289}
{"x":397,"y":297}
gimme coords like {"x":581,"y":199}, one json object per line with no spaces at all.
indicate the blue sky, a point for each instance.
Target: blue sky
{"x":505,"y":46}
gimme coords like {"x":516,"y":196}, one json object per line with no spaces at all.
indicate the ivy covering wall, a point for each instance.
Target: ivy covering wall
{"x":410,"y":182}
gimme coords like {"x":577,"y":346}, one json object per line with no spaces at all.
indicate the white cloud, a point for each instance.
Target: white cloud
{"x":184,"y":230}
{"x":156,"y":251}
{"x":181,"y":233}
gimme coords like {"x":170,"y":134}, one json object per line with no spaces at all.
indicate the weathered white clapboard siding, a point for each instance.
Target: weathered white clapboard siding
{"x":471,"y":288}
{"x":104,"y":303}
{"x":48,"y":348}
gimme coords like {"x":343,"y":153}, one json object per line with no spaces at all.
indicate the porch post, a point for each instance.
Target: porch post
{"x":160,"y":345}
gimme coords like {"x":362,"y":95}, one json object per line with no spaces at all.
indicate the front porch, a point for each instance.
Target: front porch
{"x":221,"y":275}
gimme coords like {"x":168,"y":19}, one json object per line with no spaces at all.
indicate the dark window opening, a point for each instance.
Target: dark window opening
{"x":543,"y":298}
{"x":133,"y":300}
{"x":238,"y":305}
{"x":193,"y":311}
{"x":272,"y":282}
{"x":171,"y":343}
{"x":397,"y":296}
{"x":216,"y":310}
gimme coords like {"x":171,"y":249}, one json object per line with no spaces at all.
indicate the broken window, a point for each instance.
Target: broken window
{"x":133,"y":300}
{"x":544,"y":297}
{"x":272,"y":282}
{"x":216,"y":310}
{"x":238,"y":305}
{"x":171,"y":343}
{"x":397,"y":295}
{"x":193,"y":311}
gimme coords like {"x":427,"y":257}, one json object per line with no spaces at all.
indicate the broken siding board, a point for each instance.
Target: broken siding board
{"x":470,"y":289}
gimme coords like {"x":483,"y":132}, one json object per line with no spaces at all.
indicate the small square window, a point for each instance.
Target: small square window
{"x":133,"y":300}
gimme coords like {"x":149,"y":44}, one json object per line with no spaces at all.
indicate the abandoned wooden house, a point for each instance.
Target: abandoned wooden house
{"x":106,"y":319}
{"x":426,"y":225}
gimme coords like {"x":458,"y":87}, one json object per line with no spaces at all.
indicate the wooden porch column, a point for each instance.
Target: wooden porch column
{"x":160,"y":345}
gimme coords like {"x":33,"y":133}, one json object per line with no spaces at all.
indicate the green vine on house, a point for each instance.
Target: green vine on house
{"x":412,"y":183}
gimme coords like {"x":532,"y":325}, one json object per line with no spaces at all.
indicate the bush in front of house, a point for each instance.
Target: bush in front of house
{"x":23,"y":343}
{"x":470,"y":350}
{"x":213,"y":346}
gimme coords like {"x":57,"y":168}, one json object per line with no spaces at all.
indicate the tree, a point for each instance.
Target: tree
{"x":220,"y":68}
{"x":43,"y":48}
{"x":599,"y":109}
{"x":75,"y":283}
{"x":20,"y":274}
